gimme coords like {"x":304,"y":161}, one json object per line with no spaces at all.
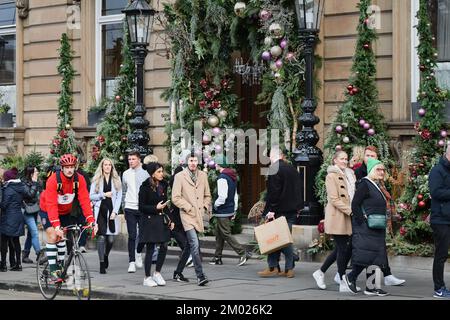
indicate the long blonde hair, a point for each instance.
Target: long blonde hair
{"x":98,"y":176}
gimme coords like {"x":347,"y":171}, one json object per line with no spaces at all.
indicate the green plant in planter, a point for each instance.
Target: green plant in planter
{"x":102,"y":106}
{"x":4,"y":108}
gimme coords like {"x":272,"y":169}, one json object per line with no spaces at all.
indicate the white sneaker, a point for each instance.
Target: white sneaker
{"x":319,"y":276}
{"x":132,"y":267}
{"x":393,"y":281}
{"x":83,"y":249}
{"x":344,"y":288}
{"x":337,"y":278}
{"x":157,"y":277}
{"x":149,"y":282}
{"x":138,"y":260}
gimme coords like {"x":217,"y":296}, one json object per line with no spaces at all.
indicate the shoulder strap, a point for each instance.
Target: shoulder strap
{"x":58,"y":181}
{"x":376,"y":186}
{"x":76,"y":184}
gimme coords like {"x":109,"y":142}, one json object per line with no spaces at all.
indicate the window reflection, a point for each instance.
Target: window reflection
{"x":113,"y":6}
{"x":7,"y":12}
{"x":112,"y":43}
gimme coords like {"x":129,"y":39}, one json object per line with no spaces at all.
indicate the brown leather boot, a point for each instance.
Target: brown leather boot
{"x":268,"y":273}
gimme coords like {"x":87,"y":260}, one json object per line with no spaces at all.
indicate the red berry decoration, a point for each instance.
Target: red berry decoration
{"x":355,"y":90}
{"x":419,"y":197}
{"x":422,"y":204}
{"x":118,"y":98}
{"x":366,"y":46}
{"x":349,"y":87}
{"x":403,"y":231}
{"x":124,"y":138}
{"x":422,"y":67}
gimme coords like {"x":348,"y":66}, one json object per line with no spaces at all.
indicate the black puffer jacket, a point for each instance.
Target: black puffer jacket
{"x":14,"y":192}
{"x":439,"y":183}
{"x":368,"y":245}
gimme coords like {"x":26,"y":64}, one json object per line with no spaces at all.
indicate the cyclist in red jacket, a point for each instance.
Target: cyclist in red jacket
{"x":62,"y":188}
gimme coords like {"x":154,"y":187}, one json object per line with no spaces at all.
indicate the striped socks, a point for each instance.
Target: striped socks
{"x":61,"y":251}
{"x":51,"y":252}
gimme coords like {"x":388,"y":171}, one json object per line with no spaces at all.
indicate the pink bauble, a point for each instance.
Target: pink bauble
{"x":339,"y":129}
{"x":290,"y":56}
{"x":279,"y":64}
{"x":266,"y":56}
{"x":265,"y":15}
{"x":362,"y":122}
{"x":370,"y":132}
{"x":218,"y":149}
{"x":212,"y":164}
{"x":422,"y":112}
{"x":283,"y":43}
{"x":206,"y":139}
{"x":338,"y":147}
{"x":366,"y":126}
{"x":443,"y":133}
{"x":441,"y":143}
{"x":216,"y":131}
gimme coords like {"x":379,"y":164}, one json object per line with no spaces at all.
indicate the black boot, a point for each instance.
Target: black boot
{"x":3,"y":267}
{"x":16,"y":267}
{"x":106,"y":262}
{"x":102,"y":267}
{"x":25,"y":257}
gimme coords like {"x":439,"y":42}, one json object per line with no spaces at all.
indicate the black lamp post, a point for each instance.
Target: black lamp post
{"x":139,"y":16}
{"x":307,"y":155}
{"x":2,"y":49}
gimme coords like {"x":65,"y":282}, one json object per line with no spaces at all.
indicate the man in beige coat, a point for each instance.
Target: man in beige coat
{"x":192,"y":195}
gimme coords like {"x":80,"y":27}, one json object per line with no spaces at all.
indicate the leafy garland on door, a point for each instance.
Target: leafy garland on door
{"x":202,"y":37}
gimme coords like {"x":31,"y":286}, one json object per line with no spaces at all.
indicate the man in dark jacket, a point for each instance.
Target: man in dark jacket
{"x":225,"y":206}
{"x":284,"y":198}
{"x":439,"y":183}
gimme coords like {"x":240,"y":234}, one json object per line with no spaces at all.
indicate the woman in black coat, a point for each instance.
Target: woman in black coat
{"x":12,"y":220}
{"x":368,"y":245}
{"x":155,"y":223}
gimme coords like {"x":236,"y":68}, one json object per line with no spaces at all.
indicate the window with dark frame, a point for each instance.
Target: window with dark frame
{"x":7,"y":13}
{"x":110,"y":7}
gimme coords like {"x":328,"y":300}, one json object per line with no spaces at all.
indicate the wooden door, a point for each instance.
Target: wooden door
{"x":251,"y":182}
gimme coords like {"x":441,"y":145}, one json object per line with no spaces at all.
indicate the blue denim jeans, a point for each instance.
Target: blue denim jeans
{"x":274,"y":257}
{"x":194,"y":245}
{"x":32,"y":235}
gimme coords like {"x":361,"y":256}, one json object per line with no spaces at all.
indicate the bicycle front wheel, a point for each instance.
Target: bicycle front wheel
{"x":78,"y":278}
{"x":48,"y":287}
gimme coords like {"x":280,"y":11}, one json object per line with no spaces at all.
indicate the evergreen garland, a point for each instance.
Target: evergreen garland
{"x":360,"y":106}
{"x":112,"y":134}
{"x":414,"y":205}
{"x":64,"y":142}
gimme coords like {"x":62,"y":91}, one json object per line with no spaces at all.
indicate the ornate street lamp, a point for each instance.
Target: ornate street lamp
{"x":139,"y":15}
{"x":307,"y":155}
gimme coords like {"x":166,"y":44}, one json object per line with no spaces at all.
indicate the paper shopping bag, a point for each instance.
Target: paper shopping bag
{"x":273,"y":235}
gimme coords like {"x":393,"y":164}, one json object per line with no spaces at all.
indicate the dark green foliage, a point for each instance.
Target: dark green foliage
{"x":361,"y":105}
{"x":111,"y":137}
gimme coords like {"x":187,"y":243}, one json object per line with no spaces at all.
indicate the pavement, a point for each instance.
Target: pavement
{"x":228,"y":281}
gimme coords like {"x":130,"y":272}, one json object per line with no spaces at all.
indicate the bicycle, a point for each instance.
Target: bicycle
{"x":74,"y":273}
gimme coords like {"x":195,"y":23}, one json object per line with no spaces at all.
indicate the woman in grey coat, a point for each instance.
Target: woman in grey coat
{"x":106,"y":195}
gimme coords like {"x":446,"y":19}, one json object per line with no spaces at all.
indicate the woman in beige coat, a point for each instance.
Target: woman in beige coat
{"x":340,"y":185}
{"x":192,"y":195}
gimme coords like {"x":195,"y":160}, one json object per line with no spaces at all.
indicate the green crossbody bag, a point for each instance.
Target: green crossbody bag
{"x":375,"y":220}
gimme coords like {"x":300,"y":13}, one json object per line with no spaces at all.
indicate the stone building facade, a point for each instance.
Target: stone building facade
{"x":94,"y":27}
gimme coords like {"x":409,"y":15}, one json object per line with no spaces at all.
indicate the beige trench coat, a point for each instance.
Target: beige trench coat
{"x":193,"y":200}
{"x":338,"y":208}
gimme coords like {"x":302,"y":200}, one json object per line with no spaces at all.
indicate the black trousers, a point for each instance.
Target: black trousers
{"x":180,"y":237}
{"x":149,"y":254}
{"x":341,"y":253}
{"x":14,"y":250}
{"x":441,"y":236}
